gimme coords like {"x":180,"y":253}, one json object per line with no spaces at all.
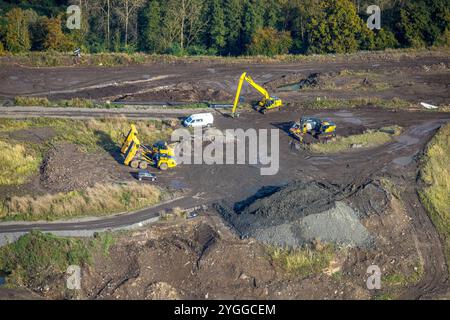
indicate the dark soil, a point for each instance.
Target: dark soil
{"x":66,"y":168}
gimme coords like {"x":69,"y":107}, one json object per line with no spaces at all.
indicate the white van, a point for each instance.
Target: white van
{"x":199,"y":120}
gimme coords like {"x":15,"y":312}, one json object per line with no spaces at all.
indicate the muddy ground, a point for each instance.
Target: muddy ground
{"x":414,"y":79}
{"x":207,"y":258}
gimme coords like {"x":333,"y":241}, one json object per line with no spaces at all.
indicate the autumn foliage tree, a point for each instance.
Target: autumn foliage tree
{"x":270,"y":42}
{"x":55,"y":38}
{"x":17,"y":31}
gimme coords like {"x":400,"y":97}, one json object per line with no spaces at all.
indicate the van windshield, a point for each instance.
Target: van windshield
{"x":189,"y":120}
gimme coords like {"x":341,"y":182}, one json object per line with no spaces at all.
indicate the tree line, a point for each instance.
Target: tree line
{"x":222,"y":27}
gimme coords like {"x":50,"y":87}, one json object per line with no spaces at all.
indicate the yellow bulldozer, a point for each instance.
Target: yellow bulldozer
{"x":136,"y":155}
{"x":267,"y":103}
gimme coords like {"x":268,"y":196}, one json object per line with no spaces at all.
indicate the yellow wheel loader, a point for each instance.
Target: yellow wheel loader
{"x":267,"y":103}
{"x":136,"y":155}
{"x":320,"y":129}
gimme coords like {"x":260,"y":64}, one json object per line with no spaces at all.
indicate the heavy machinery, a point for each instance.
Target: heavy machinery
{"x":137,"y":155}
{"x":322,"y":130}
{"x":267,"y":103}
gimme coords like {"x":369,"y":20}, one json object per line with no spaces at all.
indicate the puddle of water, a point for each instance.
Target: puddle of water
{"x":290,"y":87}
{"x":344,"y":114}
{"x":177,"y":184}
{"x":403,"y":161}
{"x":2,"y":278}
{"x":407,"y":140}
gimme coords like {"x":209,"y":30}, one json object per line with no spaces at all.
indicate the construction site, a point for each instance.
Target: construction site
{"x":354,"y":134}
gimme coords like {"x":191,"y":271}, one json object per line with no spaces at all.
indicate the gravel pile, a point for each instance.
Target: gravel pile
{"x":297,"y":214}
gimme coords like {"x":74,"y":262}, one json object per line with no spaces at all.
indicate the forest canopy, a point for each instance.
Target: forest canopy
{"x":222,"y":27}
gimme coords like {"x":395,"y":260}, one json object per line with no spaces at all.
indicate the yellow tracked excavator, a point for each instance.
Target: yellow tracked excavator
{"x":267,"y":103}
{"x":136,"y":155}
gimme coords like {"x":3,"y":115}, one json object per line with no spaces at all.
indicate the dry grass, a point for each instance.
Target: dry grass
{"x":368,"y":139}
{"x":51,"y":59}
{"x":31,"y":101}
{"x":91,"y":134}
{"x":98,"y":200}
{"x":435,"y":172}
{"x":304,"y":262}
{"x":16,"y":163}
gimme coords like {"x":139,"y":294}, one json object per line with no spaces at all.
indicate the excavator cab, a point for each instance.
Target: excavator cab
{"x":318,"y":128}
{"x":267,"y":103}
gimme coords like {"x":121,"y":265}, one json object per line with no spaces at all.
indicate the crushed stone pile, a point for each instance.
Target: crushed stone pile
{"x":297,"y":214}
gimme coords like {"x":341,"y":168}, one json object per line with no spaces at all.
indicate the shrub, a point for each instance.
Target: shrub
{"x":270,"y":42}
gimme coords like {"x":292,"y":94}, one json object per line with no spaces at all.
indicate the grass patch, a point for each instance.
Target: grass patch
{"x":368,"y":139}
{"x":435,"y":172}
{"x":305,"y":261}
{"x":70,"y":103}
{"x":37,"y":257}
{"x":53,"y":58}
{"x":402,"y":280}
{"x":94,"y":201}
{"x":17,"y":163}
{"x":92,"y":134}
{"x":332,"y":103}
{"x":89,"y":104}
{"x":31,"y":101}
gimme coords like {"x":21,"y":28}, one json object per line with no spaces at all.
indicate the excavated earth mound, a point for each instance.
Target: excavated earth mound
{"x":66,"y":168}
{"x":297,"y":214}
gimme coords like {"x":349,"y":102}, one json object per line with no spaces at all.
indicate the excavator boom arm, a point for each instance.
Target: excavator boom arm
{"x":257,"y":87}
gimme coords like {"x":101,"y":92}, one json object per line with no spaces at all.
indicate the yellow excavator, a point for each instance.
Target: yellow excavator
{"x":321,"y":130}
{"x":136,"y":155}
{"x":267,"y":103}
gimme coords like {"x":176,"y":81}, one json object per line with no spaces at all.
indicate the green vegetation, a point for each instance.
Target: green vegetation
{"x":270,"y":42}
{"x":17,"y":163}
{"x":435,"y":172}
{"x":402,"y":280}
{"x":331,"y":103}
{"x":222,"y":27}
{"x":368,"y":139}
{"x":87,"y":103}
{"x":91,"y":134}
{"x":37,"y":256}
{"x":305,"y":261}
{"x":94,"y":201}
{"x":71,"y":103}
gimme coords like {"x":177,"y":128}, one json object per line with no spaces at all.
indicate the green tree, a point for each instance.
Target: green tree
{"x":272,"y":14}
{"x":252,"y":20}
{"x":335,"y":28}
{"x":216,"y":32}
{"x":415,"y":26}
{"x":233,"y":26}
{"x":385,"y":39}
{"x":17,"y":31}
{"x":270,"y":42}
{"x":151,"y":34}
